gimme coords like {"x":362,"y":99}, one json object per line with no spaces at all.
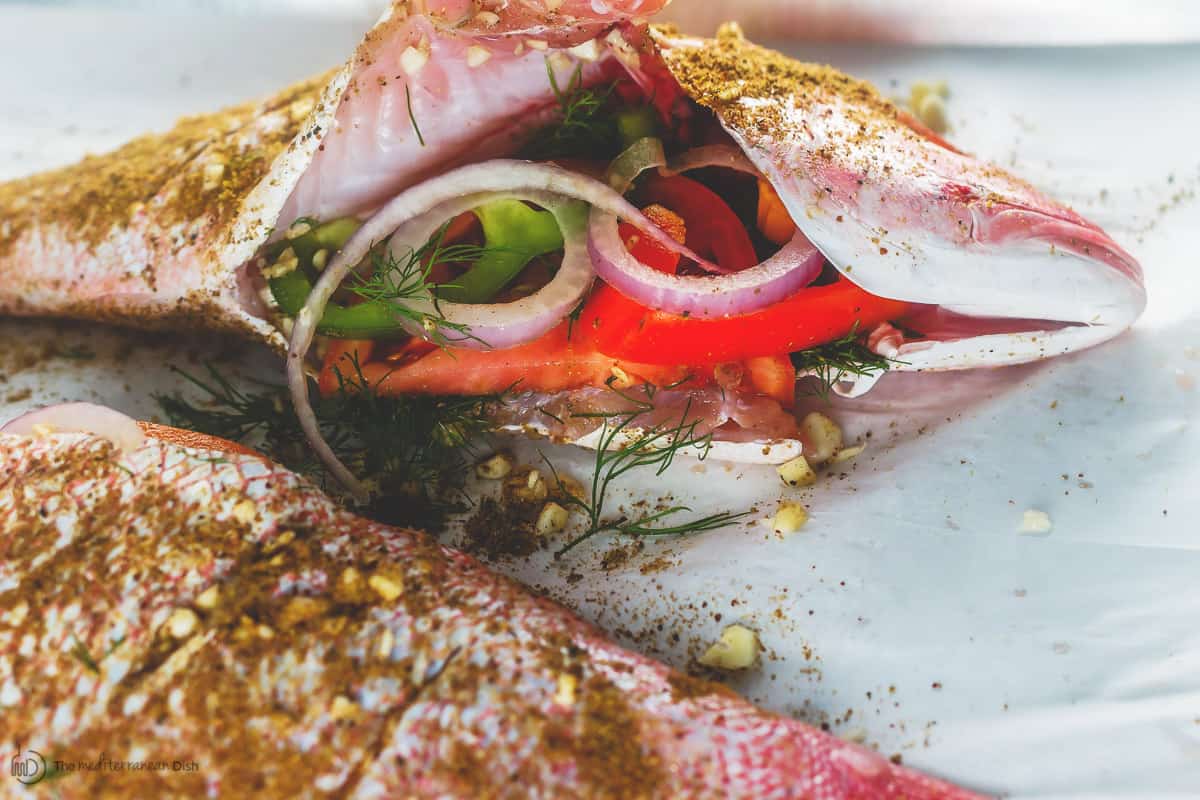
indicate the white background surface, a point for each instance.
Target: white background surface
{"x":1068,"y":663}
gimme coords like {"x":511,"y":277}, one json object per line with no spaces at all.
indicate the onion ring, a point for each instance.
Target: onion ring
{"x":795,"y":266}
{"x":501,"y":325}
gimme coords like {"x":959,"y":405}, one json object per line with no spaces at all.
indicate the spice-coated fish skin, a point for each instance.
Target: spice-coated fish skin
{"x":907,"y":216}
{"x":186,"y":604}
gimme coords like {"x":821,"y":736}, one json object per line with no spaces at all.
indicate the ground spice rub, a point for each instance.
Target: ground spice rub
{"x":201,"y":169}
{"x":154,"y":232}
{"x":195,"y":605}
{"x":724,"y":73}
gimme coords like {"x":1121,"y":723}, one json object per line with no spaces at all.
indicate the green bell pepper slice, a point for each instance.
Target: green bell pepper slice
{"x":636,"y":123}
{"x":513,"y":235}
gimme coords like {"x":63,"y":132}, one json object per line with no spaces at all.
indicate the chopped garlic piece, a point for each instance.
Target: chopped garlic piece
{"x":564,"y":692}
{"x":487,"y":18}
{"x":527,"y":485}
{"x":621,"y":378}
{"x":208,"y":599}
{"x":797,"y":472}
{"x":587,"y":51}
{"x":552,"y":5}
{"x":299,"y":228}
{"x":41,"y":430}
{"x":383,"y":647}
{"x":320,"y":259}
{"x":537,"y":44}
{"x":559,"y":61}
{"x":822,"y":437}
{"x":552,"y":519}
{"x":385,"y":586}
{"x":477,"y":56}
{"x":738,"y":648}
{"x":344,"y":709}
{"x":245,"y":511}
{"x":412,"y":60}
{"x":790,"y":518}
{"x":923,"y":89}
{"x":287,"y":262}
{"x":494,"y":468}
{"x":932,"y":112}
{"x":847,"y":453}
{"x":213,"y":172}
{"x":182,"y":623}
{"x":1034,"y":521}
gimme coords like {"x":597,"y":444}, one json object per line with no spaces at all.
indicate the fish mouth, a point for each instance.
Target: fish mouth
{"x":1066,"y":231}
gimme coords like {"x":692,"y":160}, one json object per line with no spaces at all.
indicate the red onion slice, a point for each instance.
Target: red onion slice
{"x":795,"y":266}
{"x":501,"y":325}
{"x":102,"y":421}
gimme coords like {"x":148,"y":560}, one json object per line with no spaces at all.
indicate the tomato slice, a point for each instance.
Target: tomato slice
{"x":773,"y":376}
{"x":626,"y":329}
{"x":713,"y":230}
{"x":562,"y":359}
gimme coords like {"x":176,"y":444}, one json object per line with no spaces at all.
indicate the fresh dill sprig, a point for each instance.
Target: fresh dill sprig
{"x":411,"y":116}
{"x":575,"y":314}
{"x":80,"y":652}
{"x":414,"y":449}
{"x":263,"y":419}
{"x":77,"y":353}
{"x":404,"y":285}
{"x":622,"y":448}
{"x":835,"y":361}
{"x":586,"y":127}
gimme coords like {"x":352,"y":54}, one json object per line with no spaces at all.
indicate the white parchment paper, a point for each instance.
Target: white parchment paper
{"x":910,"y":611}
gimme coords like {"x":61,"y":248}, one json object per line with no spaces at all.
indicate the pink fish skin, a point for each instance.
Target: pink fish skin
{"x":453,"y":85}
{"x":161,"y":232}
{"x":181,"y":603}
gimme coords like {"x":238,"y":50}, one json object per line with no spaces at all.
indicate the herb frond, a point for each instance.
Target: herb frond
{"x":411,"y":116}
{"x":80,"y":652}
{"x":575,"y":314}
{"x":586,"y":127}
{"x":77,"y":353}
{"x":835,"y":361}
{"x":624,"y":447}
{"x":414,"y":450}
{"x":403,"y":284}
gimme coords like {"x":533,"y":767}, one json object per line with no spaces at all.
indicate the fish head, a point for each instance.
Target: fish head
{"x":905,"y":215}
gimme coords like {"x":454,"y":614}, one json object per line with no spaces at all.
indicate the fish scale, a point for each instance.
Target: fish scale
{"x":398,"y":667}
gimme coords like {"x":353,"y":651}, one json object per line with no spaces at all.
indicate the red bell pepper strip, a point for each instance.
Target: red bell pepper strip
{"x":625,"y":329}
{"x":713,"y":230}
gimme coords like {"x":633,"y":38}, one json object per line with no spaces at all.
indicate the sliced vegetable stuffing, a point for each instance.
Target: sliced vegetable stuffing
{"x":543,"y":279}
